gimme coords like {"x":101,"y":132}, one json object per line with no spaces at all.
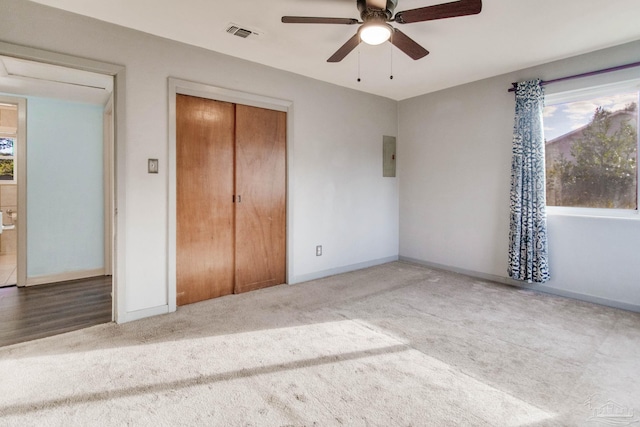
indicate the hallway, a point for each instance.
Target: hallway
{"x":45,"y":310}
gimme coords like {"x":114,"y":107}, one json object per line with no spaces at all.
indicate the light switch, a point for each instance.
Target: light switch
{"x":153,"y":166}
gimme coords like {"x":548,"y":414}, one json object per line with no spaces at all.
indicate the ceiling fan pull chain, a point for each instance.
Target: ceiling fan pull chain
{"x":358,"y":64}
{"x":391,"y":61}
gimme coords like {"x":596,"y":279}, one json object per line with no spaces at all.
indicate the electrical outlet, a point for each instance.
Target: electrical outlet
{"x":319,"y":250}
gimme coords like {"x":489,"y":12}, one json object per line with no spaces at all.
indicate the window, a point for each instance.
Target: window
{"x":591,"y":147}
{"x":7,"y":158}
{"x":8,"y":142}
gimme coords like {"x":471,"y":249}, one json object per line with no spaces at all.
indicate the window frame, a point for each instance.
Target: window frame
{"x":587,"y":92}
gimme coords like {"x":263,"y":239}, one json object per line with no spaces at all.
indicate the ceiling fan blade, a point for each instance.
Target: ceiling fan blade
{"x":317,"y":20}
{"x":408,"y":45}
{"x":439,"y":11}
{"x":346,"y":49}
{"x":377,"y":4}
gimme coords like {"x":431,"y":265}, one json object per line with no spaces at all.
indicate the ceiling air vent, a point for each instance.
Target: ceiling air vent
{"x":239,"y":31}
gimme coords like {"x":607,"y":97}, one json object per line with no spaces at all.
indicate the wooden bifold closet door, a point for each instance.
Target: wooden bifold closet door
{"x":261,"y":186}
{"x":231,"y":198}
{"x":205,"y":132}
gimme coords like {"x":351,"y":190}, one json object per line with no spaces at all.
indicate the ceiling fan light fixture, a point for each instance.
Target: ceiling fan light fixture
{"x":375,"y":33}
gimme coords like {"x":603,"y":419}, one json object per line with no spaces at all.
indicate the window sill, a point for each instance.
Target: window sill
{"x":593,"y":212}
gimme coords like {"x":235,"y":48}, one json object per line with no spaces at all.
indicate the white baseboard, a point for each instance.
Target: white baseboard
{"x":130,"y":316}
{"x":533,"y":287}
{"x":63,"y":277}
{"x":340,"y":270}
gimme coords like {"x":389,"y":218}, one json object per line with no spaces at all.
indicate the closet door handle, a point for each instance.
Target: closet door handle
{"x":239,"y":198}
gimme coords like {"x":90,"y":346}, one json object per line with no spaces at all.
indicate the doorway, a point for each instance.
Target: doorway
{"x":62,"y":102}
{"x":63,"y":197}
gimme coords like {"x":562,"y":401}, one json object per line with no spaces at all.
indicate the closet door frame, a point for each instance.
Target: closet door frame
{"x":185,"y":87}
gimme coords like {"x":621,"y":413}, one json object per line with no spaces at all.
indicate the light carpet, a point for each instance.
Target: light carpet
{"x":392,"y":345}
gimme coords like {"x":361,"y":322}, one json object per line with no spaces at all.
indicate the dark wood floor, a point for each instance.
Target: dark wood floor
{"x":45,"y":310}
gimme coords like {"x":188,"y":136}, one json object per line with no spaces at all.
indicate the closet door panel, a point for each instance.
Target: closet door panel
{"x":205,"y":181}
{"x":261,"y":198}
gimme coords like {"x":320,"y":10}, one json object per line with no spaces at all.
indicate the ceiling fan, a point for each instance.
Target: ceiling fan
{"x":375,"y":28}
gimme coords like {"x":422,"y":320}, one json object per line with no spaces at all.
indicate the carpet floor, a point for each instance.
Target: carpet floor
{"x":392,"y":345}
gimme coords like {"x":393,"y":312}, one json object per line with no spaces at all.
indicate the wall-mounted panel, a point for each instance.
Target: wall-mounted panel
{"x":389,"y":156}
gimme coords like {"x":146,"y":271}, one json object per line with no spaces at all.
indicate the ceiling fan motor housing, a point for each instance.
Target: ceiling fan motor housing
{"x":374,"y":14}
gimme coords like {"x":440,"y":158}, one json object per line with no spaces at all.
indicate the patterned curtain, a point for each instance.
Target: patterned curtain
{"x":528,"y":226}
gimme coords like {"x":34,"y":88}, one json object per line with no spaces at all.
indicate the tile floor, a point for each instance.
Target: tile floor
{"x":7,"y":269}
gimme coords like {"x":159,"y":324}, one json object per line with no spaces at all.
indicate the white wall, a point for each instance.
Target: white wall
{"x":65,"y":187}
{"x":455,"y":159}
{"x":338,"y":196}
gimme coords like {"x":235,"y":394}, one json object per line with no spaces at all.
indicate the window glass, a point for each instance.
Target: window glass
{"x":6,"y":169}
{"x":7,"y":146}
{"x":591,"y":151}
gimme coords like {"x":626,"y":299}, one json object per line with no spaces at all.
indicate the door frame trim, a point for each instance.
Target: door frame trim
{"x":21,"y":180}
{"x":202,"y":90}
{"x":108,"y":168}
{"x":118,"y":215}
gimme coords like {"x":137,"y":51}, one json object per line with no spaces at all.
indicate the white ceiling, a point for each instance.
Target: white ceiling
{"x":508,"y":35}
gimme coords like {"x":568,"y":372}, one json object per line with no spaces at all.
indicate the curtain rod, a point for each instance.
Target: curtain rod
{"x":577,"y":76}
